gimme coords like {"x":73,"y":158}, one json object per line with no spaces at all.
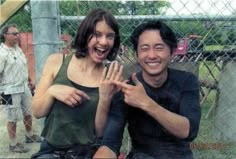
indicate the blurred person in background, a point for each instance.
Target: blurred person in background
{"x":14,"y":87}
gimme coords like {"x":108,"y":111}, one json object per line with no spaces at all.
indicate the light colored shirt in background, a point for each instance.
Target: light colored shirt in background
{"x":13,"y":70}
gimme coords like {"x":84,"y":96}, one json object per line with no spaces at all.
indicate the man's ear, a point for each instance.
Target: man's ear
{"x":138,"y":68}
{"x":137,"y":59}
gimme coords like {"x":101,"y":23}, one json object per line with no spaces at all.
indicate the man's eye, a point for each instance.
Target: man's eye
{"x":144,"y":49}
{"x":159,"y":48}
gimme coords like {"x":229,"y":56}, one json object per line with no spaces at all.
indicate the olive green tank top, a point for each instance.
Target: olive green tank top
{"x":66,"y":126}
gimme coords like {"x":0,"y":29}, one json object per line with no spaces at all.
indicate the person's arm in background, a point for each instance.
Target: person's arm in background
{"x":46,"y":92}
{"x":31,"y":85}
{"x":2,"y":63}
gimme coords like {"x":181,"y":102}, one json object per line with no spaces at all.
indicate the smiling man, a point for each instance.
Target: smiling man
{"x":159,"y":104}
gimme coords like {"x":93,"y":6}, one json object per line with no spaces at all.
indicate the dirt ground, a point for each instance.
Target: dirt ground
{"x":4,"y":139}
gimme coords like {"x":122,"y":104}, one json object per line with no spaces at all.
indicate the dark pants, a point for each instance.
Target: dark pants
{"x":74,"y":152}
{"x":134,"y":154}
{"x":139,"y":155}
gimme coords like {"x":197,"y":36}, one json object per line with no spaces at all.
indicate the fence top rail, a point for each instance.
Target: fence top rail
{"x":162,"y":17}
{"x":211,"y":55}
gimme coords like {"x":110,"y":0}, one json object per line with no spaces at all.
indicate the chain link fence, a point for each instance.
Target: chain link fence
{"x":206,"y":32}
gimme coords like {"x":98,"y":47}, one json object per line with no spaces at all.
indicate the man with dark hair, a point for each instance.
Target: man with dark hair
{"x":15,"y":93}
{"x":159,"y":104}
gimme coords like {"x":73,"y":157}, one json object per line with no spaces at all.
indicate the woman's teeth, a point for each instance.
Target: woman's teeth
{"x":100,"y":51}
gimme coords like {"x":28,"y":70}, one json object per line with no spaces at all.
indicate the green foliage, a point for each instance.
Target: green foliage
{"x":124,"y":8}
{"x":68,"y":8}
{"x":22,"y":19}
{"x":81,"y":8}
{"x":2,"y":1}
{"x":214,"y":47}
{"x":185,"y":28}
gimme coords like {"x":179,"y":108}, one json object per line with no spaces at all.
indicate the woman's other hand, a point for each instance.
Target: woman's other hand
{"x":68,"y":95}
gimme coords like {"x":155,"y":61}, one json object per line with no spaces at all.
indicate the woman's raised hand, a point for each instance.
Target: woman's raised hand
{"x":114,"y":73}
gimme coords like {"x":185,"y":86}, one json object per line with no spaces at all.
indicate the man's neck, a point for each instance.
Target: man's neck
{"x":156,"y":81}
{"x":10,"y":45}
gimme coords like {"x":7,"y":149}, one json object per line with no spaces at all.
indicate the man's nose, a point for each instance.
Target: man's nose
{"x":152,"y":53}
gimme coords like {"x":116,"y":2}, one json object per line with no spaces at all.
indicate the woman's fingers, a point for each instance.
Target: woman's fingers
{"x":110,"y":71}
{"x":82,"y":95}
{"x":114,"y":72}
{"x":77,"y":98}
{"x":104,"y":72}
{"x":119,"y":76}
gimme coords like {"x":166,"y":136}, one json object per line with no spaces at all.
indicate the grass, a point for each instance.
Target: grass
{"x":214,"y":47}
{"x":206,"y":145}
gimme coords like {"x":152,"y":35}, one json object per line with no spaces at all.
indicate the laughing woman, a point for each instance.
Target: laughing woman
{"x":75,"y":91}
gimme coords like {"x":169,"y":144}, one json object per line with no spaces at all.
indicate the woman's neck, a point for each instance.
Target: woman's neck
{"x":87,"y":65}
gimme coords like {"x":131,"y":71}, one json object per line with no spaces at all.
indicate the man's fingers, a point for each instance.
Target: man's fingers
{"x":135,"y":79}
{"x":121,"y":84}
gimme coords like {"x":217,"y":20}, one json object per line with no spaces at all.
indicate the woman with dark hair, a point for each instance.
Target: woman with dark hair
{"x":74,"y":92}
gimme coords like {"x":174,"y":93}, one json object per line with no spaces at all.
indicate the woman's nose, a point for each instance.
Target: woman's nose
{"x":103,"y":40}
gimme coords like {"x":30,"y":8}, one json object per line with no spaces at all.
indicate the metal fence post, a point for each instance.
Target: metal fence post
{"x":45,"y":27}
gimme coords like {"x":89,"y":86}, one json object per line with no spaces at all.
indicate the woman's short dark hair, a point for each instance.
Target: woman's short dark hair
{"x":167,"y":35}
{"x":88,"y":28}
{"x":5,"y":30}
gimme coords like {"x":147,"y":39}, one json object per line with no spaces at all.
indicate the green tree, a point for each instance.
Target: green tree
{"x":81,"y":8}
{"x":124,"y":7}
{"x":22,"y":18}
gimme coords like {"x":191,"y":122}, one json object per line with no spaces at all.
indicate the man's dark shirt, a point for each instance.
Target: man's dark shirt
{"x":179,"y":94}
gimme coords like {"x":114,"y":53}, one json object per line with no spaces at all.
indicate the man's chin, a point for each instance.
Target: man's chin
{"x":153,"y":73}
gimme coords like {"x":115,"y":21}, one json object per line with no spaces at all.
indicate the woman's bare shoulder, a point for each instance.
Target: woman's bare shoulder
{"x":53,"y":63}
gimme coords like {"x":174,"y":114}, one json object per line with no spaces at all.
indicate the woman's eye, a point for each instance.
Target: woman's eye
{"x":111,"y":36}
{"x":97,"y":35}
